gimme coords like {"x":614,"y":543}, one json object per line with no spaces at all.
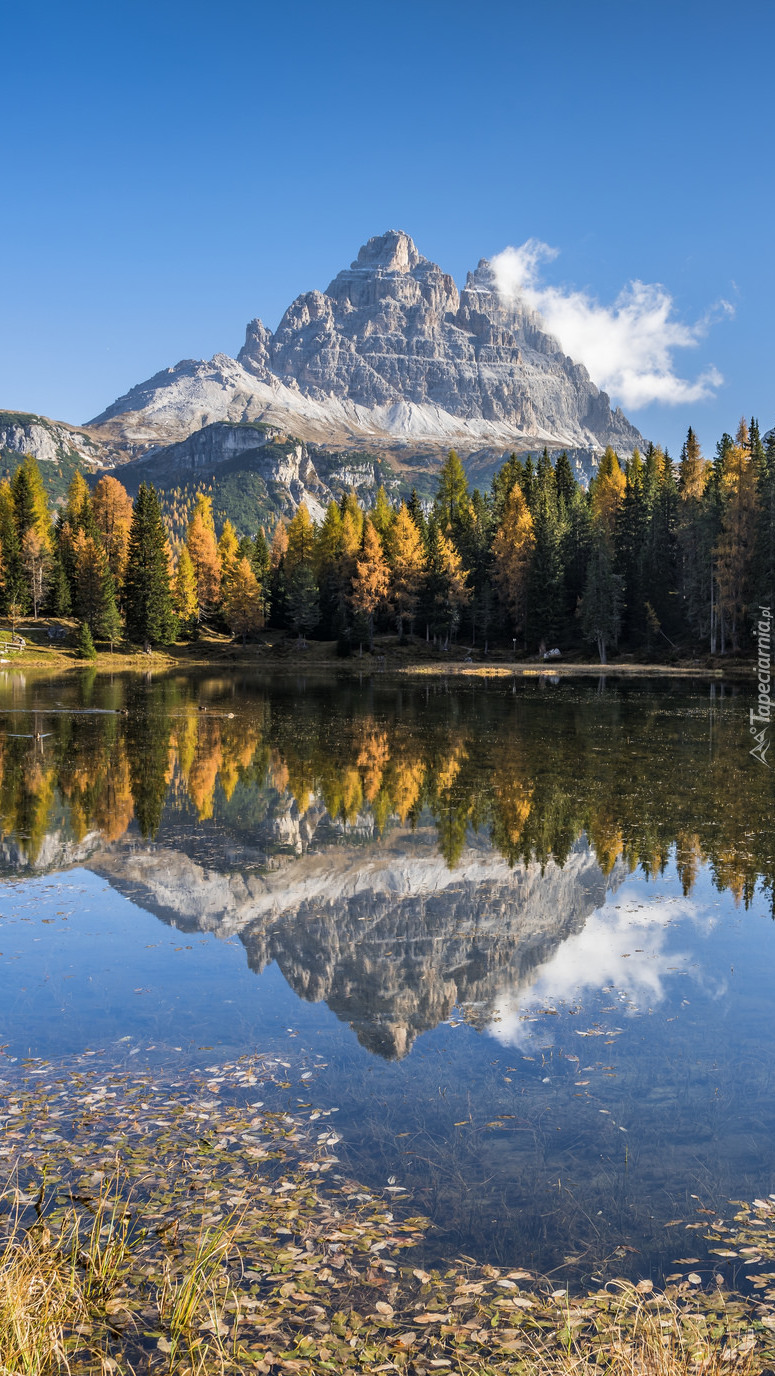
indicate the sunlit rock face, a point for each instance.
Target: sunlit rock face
{"x":391,"y":352}
{"x":383,"y":931}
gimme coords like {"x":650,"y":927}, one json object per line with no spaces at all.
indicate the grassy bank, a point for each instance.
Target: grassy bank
{"x":278,"y":652}
{"x":184,"y":1227}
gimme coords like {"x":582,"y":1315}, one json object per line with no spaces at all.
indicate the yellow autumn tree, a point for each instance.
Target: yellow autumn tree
{"x":607,"y":493}
{"x":184,"y":595}
{"x":371,"y":581}
{"x":407,"y":561}
{"x":203,"y":551}
{"x":512,"y":552}
{"x":228,"y":555}
{"x":301,"y":541}
{"x":112,"y":507}
{"x":243,"y":605}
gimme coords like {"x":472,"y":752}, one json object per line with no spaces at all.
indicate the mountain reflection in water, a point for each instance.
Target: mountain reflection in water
{"x":398,"y":853}
{"x":541,"y":909}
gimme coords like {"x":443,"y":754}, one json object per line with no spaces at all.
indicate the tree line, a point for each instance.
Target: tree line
{"x":531,"y":781}
{"x":653,"y":556}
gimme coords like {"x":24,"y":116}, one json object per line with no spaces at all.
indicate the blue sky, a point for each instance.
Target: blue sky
{"x":172,"y":170}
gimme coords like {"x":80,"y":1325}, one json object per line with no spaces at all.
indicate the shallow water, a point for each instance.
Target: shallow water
{"x":522,"y":932}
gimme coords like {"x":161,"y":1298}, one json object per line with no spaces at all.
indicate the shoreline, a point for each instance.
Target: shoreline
{"x":156,"y":1174}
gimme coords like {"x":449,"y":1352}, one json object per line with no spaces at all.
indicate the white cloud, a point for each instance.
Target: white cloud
{"x":628,"y":347}
{"x":625,"y":945}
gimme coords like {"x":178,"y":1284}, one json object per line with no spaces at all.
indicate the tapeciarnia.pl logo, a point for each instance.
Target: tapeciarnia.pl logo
{"x":761,"y":717}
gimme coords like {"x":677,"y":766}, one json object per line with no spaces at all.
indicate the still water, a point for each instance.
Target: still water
{"x":522,"y":932}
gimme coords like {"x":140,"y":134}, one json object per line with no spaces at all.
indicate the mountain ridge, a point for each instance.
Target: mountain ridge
{"x":391,"y":354}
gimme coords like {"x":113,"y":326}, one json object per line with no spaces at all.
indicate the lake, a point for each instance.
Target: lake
{"x":517,"y":934}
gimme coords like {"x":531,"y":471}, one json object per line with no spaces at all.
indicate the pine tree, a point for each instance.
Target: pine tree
{"x":450,"y":506}
{"x":149,"y":615}
{"x":58,"y":597}
{"x":415,"y":509}
{"x":546,"y":603}
{"x":764,"y":566}
{"x":631,"y":543}
{"x":603,"y":595}
{"x":260,"y":562}
{"x":736,"y":544}
{"x":566,"y":482}
{"x":95,"y":595}
{"x":31,"y":502}
{"x":14,"y":588}
{"x":302,"y":600}
{"x":85,"y":643}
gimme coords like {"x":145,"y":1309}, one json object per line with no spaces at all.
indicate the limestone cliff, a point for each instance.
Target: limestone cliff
{"x":391,"y":355}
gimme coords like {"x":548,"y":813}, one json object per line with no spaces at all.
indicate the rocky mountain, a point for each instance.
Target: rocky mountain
{"x":465,"y":937}
{"x":391,"y":356}
{"x":60,"y":449}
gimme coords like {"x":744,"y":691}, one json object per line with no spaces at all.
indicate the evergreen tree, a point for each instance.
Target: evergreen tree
{"x":277,"y":574}
{"x":302,"y":600}
{"x":603,"y":595}
{"x":414,"y":507}
{"x":260,"y":562}
{"x":695,"y":560}
{"x":566,"y":482}
{"x":14,"y":588}
{"x":451,"y":503}
{"x":58,"y":597}
{"x":764,"y":566}
{"x":545,"y":599}
{"x":95,"y":594}
{"x":631,"y":542}
{"x":84,"y":642}
{"x":150,"y":619}
{"x":31,"y":502}
{"x":736,"y":544}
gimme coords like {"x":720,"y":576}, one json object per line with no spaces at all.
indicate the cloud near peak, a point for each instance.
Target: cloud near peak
{"x":627,"y":347}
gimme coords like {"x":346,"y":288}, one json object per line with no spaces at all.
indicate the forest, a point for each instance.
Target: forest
{"x":656,"y":558}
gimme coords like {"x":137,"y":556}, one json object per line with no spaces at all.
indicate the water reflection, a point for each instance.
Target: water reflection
{"x":398,"y":854}
{"x":638,"y":770}
{"x":420,"y":860}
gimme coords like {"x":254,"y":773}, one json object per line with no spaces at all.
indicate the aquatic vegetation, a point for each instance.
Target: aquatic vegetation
{"x":185,"y":1225}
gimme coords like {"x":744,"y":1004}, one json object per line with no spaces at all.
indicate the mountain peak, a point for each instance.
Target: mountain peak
{"x":391,"y":352}
{"x":392,"y":251}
